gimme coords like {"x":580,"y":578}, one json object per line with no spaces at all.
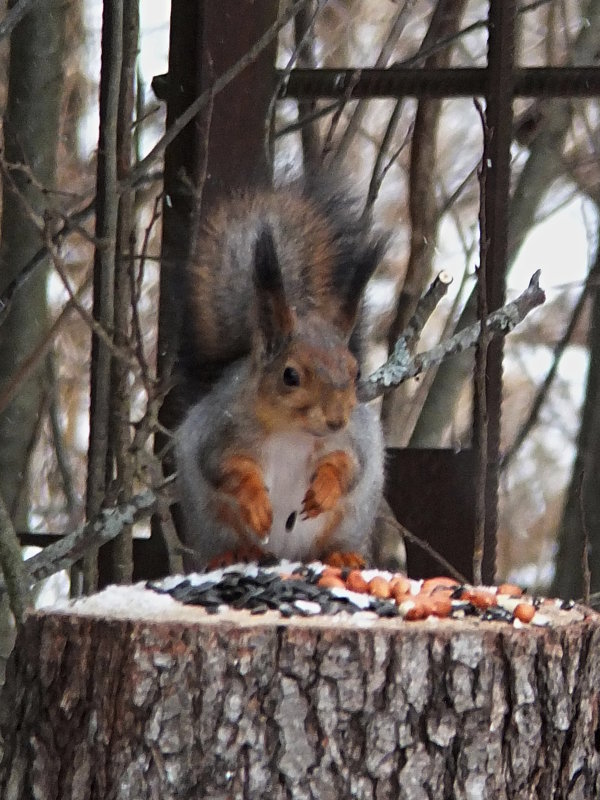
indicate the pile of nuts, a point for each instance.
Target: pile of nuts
{"x":434,"y":596}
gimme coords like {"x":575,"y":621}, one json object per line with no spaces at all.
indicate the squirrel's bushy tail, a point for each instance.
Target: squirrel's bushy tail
{"x":325,"y":251}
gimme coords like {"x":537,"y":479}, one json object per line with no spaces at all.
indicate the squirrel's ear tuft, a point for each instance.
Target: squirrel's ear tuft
{"x":366,"y":262}
{"x":274,"y":316}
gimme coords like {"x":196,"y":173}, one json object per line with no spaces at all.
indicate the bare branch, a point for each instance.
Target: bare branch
{"x":327,"y":155}
{"x":425,"y":308}
{"x":89,"y":537}
{"x":60,"y":450}
{"x":354,"y":124}
{"x":499,"y":323}
{"x":585,"y":550}
{"x":388,"y":518}
{"x":304,"y":24}
{"x":107,"y":186}
{"x":319,"y":113}
{"x":95,"y":326}
{"x":136,"y":292}
{"x":70,"y":224}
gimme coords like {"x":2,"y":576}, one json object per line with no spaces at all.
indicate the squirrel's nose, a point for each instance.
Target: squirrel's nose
{"x":335,"y":424}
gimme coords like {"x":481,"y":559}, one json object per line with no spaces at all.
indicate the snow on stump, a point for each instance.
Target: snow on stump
{"x":129,"y":694}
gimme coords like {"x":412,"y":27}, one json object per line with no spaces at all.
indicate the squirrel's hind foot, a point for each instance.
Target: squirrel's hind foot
{"x":349,"y":560}
{"x":241,"y":555}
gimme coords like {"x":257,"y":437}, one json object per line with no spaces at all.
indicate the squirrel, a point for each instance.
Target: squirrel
{"x":278,"y":459}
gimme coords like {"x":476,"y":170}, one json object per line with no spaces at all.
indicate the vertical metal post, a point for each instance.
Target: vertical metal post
{"x":499,"y":114}
{"x":236,"y":156}
{"x":224,"y":145}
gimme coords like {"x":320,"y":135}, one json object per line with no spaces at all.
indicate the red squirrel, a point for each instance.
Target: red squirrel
{"x":279,"y":458}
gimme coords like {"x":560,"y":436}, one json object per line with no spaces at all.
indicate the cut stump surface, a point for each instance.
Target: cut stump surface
{"x":145,"y":698}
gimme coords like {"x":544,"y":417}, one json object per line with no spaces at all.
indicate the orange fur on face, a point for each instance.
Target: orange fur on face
{"x":325,"y":396}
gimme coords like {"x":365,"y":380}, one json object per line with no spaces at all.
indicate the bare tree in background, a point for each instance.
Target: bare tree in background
{"x":31,"y":133}
{"x":430,"y":170}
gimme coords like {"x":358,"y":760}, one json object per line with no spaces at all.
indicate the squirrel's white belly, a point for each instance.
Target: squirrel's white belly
{"x":288,"y":461}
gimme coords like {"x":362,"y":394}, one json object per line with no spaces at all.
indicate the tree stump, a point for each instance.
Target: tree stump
{"x":140,"y":697}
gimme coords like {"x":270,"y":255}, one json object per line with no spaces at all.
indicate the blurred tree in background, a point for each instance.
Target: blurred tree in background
{"x":416,"y":163}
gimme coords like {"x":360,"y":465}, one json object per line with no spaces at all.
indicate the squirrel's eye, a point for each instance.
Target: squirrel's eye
{"x":291,"y":377}
{"x":358,"y":376}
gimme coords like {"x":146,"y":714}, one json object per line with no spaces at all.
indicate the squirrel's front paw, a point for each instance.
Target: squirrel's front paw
{"x":256,"y":509}
{"x":330,"y":481}
{"x":243,"y":480}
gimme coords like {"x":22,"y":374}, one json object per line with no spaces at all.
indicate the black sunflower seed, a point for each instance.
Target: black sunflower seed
{"x":497,"y":614}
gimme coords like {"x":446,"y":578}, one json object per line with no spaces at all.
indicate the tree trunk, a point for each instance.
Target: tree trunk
{"x":581,"y":515}
{"x":31,"y":128}
{"x":181,"y":704}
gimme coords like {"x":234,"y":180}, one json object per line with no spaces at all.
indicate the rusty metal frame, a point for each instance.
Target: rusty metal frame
{"x":499,"y":82}
{"x":371,"y":83}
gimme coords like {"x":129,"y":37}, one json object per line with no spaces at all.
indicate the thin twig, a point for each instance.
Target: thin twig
{"x":397,"y":153}
{"x":13,"y":569}
{"x":337,"y":115}
{"x":446,"y":14}
{"x":304,"y":29}
{"x":39,"y":259}
{"x":60,"y":449}
{"x":136,"y":282}
{"x":480,"y":419}
{"x":585,"y":550}
{"x":40,"y":350}
{"x":96,"y":327}
{"x":389,"y":519}
{"x":445,"y":41}
{"x":376,"y":175}
{"x":318,"y":113}
{"x":355,"y":121}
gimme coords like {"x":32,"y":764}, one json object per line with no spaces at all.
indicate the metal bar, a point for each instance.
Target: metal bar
{"x":453,"y":82}
{"x":499,"y":120}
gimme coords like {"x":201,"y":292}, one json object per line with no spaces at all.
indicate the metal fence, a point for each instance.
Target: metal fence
{"x":499,"y":82}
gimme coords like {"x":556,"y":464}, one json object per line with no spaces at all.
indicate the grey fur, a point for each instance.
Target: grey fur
{"x":222,"y":418}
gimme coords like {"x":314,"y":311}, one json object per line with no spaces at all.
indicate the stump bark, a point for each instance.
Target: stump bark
{"x":176,"y":703}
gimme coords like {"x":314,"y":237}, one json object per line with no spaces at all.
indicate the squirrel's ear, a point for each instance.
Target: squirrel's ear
{"x":362,"y":269}
{"x":275,"y":317}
